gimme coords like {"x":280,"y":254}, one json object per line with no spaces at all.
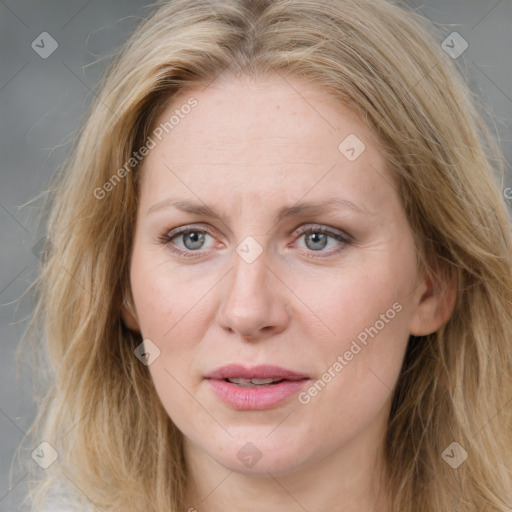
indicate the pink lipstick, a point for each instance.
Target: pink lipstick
{"x":255,"y":388}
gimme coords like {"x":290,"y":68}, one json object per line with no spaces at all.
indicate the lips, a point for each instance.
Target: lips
{"x":257,"y":388}
{"x":261,"y":372}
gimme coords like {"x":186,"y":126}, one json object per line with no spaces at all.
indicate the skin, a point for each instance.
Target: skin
{"x":250,"y":147}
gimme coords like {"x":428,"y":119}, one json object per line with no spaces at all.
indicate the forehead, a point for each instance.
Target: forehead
{"x":273,"y":110}
{"x":256,"y":136}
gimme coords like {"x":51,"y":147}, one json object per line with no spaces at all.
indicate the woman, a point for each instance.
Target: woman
{"x":279,"y":272}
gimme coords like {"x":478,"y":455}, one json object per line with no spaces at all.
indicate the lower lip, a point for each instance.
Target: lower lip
{"x":264,"y":397}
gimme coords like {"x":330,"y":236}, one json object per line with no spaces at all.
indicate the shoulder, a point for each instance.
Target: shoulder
{"x":62,"y":507}
{"x":56,"y":506}
{"x":62,"y":498}
{"x":61,"y":504}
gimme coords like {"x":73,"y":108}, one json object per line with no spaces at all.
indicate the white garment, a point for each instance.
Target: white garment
{"x":64,"y":505}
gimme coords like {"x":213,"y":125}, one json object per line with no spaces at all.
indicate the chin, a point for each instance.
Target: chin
{"x":259,"y":459}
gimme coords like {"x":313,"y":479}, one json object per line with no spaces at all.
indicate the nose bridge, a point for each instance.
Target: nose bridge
{"x":251,"y":303}
{"x":251,"y":255}
{"x":249,"y":277}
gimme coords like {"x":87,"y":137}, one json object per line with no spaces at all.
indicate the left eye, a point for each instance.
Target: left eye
{"x":317,"y":238}
{"x":193,"y":239}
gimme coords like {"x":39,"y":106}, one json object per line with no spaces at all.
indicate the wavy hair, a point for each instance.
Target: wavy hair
{"x":98,"y":407}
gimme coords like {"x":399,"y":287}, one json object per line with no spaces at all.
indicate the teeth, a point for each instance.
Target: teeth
{"x":263,"y":381}
{"x":240,"y":380}
{"x":250,"y":383}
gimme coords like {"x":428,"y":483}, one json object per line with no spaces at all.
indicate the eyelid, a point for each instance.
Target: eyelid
{"x":323,"y":229}
{"x":167,"y":236}
{"x":341,"y":236}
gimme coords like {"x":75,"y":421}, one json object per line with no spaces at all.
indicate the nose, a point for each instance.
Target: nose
{"x":254,"y":303}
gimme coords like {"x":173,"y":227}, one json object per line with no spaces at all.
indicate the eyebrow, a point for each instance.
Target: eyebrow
{"x":303,"y":208}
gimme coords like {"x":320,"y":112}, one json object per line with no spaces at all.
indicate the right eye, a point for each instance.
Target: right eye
{"x":192,"y":240}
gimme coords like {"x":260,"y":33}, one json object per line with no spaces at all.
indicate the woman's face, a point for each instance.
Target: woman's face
{"x":299,"y":265}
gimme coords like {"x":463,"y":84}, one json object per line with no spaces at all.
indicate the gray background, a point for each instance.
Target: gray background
{"x":42,"y":102}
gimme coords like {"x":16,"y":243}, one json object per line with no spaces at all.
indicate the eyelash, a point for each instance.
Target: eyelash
{"x":167,"y":237}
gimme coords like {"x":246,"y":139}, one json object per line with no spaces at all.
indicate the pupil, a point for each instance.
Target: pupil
{"x":316,"y":237}
{"x":196,"y":238}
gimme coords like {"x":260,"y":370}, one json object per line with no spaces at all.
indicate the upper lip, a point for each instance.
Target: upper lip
{"x":264,"y":371}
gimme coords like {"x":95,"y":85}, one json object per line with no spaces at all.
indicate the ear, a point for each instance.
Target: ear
{"x":435,"y":301}
{"x":129,"y":315}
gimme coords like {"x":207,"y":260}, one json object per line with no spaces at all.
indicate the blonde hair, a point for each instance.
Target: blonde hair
{"x":99,"y":408}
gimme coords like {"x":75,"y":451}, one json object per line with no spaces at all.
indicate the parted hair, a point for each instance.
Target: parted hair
{"x":98,"y":408}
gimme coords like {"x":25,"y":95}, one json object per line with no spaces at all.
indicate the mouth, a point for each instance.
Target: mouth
{"x":253,"y":383}
{"x":261,"y":375}
{"x":256,"y":388}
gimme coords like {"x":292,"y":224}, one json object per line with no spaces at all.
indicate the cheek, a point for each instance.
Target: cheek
{"x":165,"y":297}
{"x":168,"y":308}
{"x":349,"y":301}
{"x":172,"y":311}
{"x":367,"y":312}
